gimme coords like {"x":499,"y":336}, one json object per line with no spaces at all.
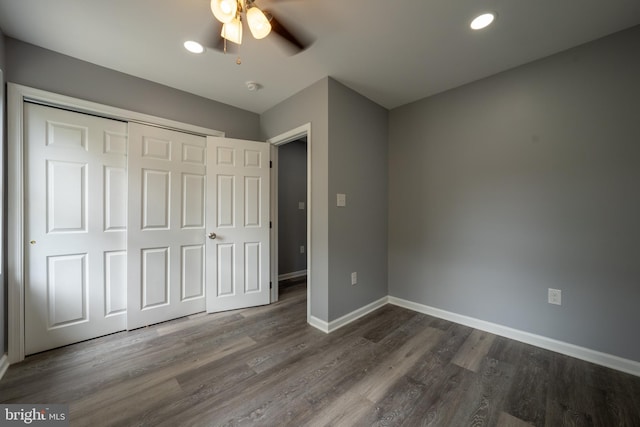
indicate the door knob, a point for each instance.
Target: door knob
{"x":212,"y":235}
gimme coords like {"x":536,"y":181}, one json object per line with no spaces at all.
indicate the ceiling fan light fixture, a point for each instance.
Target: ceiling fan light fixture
{"x":232,"y":31}
{"x":224,"y":10}
{"x":482,"y":21}
{"x":258,"y":23}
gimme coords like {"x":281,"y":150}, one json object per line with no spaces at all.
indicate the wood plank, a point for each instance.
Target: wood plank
{"x":250,"y":401}
{"x":569,"y":397}
{"x":617,"y":400}
{"x":377,"y":333}
{"x":527,"y":398}
{"x":441,"y":398}
{"x":348,"y":410}
{"x":507,"y":420}
{"x":376,"y":384}
{"x":394,"y":407}
{"x":112,"y":397}
{"x":313,"y":391}
{"x":482,"y":402}
{"x":128,"y":408}
{"x":473,"y":351}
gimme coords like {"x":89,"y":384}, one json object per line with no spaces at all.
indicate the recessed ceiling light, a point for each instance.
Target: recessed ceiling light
{"x":482,"y":21}
{"x":193,"y":47}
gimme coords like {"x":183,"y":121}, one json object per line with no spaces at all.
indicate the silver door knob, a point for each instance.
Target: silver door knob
{"x":212,"y":235}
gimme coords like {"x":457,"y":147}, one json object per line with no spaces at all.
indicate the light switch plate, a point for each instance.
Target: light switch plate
{"x":301,"y":205}
{"x":342,"y":200}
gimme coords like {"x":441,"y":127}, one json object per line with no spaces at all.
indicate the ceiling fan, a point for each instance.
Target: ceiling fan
{"x":261,"y":23}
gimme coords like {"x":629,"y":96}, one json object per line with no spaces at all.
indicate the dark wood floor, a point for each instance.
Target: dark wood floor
{"x":265,"y":366}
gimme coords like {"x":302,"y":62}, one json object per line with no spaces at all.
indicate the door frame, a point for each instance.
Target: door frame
{"x":276,"y":141}
{"x":16,"y":96}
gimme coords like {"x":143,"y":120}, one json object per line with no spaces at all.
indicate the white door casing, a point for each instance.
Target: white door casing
{"x":238,"y":215}
{"x":166,"y":235}
{"x":284,"y":138}
{"x":75,"y":226}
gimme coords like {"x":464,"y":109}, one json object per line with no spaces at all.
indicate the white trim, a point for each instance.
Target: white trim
{"x":349,"y":317}
{"x":593,"y":356}
{"x":15,"y":234}
{"x":283,"y":138}
{"x":292,"y":275}
{"x":318,"y":324}
{"x":16,"y":95}
{"x":3,"y":183}
{"x":4,"y":365}
{"x":273,"y":236}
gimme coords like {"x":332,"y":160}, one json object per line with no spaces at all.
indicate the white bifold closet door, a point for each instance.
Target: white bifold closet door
{"x":75,"y":226}
{"x":238,"y":218}
{"x":116,"y":223}
{"x":166,"y":225}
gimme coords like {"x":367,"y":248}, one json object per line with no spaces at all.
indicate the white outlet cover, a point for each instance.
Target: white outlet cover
{"x":301,"y":205}
{"x":354,"y":278}
{"x":555,"y":296}
{"x":341,"y":200}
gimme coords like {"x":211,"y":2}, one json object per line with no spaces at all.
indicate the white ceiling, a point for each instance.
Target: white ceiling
{"x":393,"y":52}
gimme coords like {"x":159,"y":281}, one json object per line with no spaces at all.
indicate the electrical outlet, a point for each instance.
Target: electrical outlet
{"x":341,"y":200}
{"x":354,"y":278}
{"x":301,"y":249}
{"x":301,"y":205}
{"x":555,"y":296}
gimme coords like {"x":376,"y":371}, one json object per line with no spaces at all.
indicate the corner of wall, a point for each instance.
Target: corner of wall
{"x":358,"y":164}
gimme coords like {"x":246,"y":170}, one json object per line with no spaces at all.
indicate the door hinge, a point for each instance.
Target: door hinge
{"x":270,"y":285}
{"x":270,"y":224}
{"x":270,"y":164}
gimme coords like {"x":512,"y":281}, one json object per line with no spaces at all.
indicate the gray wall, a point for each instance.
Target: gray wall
{"x":292,"y":221}
{"x":358,"y":132}
{"x":3,"y":252}
{"x":520,"y":182}
{"x":44,"y":69}
{"x":311,"y":105}
{"x":349,"y":155}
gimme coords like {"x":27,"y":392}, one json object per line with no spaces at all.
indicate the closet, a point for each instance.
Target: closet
{"x":130,"y":224}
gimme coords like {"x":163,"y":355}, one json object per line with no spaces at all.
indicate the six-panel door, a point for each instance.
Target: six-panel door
{"x":166,"y":234}
{"x":75,"y":226}
{"x":238,"y":214}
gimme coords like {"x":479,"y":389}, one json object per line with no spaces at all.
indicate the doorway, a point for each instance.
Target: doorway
{"x":299,"y":207}
{"x":292,"y":213}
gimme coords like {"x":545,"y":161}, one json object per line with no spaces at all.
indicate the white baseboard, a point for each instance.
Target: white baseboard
{"x":4,"y":365}
{"x":319,"y":324}
{"x":593,"y":356}
{"x":292,"y":275}
{"x":328,"y":327}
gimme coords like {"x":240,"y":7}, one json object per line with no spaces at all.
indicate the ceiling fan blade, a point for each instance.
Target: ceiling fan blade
{"x":298,"y":42}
